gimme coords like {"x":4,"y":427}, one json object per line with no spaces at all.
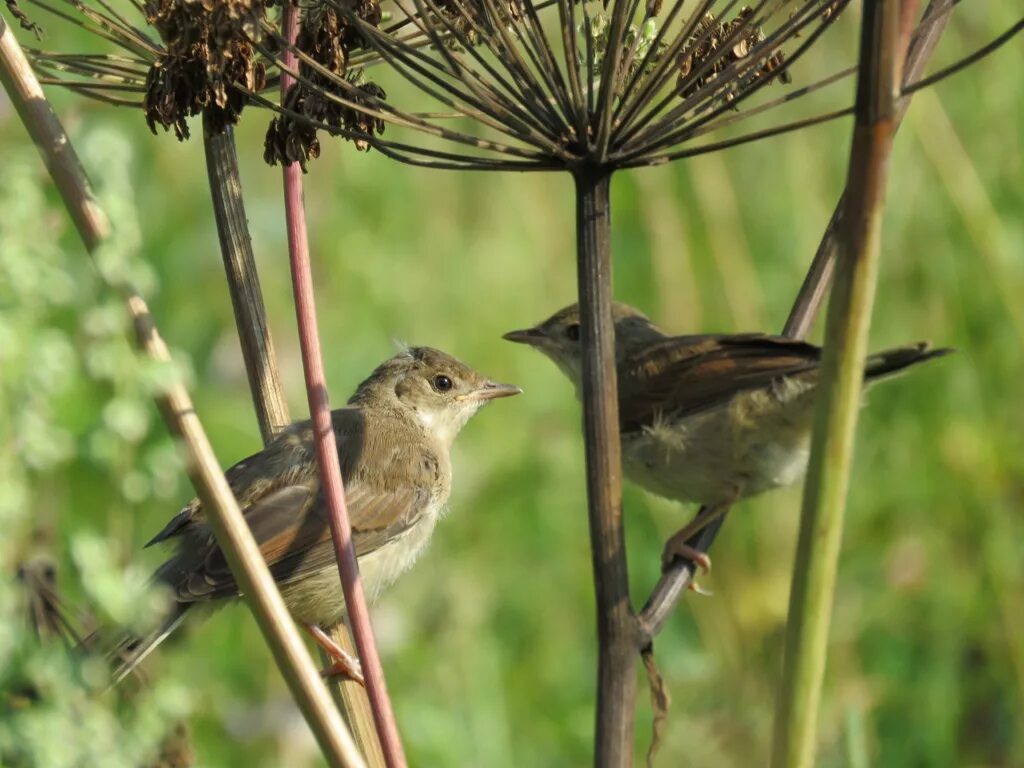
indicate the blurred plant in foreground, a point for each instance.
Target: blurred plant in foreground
{"x":70,"y":386}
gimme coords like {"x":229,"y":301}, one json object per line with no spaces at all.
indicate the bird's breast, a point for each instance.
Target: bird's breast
{"x":756,"y":442}
{"x":319,"y":598}
{"x":383,"y":566}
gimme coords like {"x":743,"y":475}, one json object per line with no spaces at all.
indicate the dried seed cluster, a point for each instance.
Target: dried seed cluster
{"x":707,"y":53}
{"x":209,"y":55}
{"x":468,"y":22}
{"x":327,"y":38}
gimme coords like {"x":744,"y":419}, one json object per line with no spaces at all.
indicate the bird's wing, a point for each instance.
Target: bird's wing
{"x":684,"y":375}
{"x":249,"y":478}
{"x":290,"y":522}
{"x":291,"y":528}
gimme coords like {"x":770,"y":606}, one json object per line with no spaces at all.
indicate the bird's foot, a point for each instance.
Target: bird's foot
{"x":344,"y":665}
{"x":346,"y":668}
{"x":678,"y":548}
{"x":696,"y":588}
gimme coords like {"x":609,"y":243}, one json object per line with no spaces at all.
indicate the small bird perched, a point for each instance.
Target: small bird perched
{"x":710,"y":419}
{"x":394,"y":439}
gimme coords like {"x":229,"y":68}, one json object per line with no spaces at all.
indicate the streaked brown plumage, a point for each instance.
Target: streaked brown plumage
{"x":709,"y":419}
{"x":393,"y":441}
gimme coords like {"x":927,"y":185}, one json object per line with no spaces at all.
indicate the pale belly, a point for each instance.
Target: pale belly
{"x":319,"y":599}
{"x":725,"y":454}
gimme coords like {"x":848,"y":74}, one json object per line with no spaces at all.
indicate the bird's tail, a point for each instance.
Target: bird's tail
{"x":130,"y":650}
{"x":892,"y":361}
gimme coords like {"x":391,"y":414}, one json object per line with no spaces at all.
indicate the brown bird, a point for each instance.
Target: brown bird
{"x":709,"y":419}
{"x":394,"y":439}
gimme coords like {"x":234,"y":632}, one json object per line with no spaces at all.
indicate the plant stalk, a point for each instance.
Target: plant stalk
{"x":326,"y":448}
{"x":265,"y":382}
{"x":839,"y":398}
{"x":355,"y":705}
{"x":819,"y":274}
{"x":616,"y":624}
{"x":232,"y":533}
{"x":244,"y":282}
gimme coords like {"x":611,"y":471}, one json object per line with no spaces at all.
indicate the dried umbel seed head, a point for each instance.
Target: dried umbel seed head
{"x":470,"y":21}
{"x":292,"y":140}
{"x":360,"y":122}
{"x":209,"y":62}
{"x":327,"y":38}
{"x":715,"y":45}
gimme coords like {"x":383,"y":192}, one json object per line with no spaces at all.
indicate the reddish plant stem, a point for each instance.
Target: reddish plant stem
{"x":327,"y":452}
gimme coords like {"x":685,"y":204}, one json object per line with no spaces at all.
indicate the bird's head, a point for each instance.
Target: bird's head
{"x":441,"y":392}
{"x":559,"y":337}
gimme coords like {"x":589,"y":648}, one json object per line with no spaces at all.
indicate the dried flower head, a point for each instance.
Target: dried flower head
{"x":209,"y":62}
{"x":216,"y":58}
{"x":619,"y":83}
{"x":612,"y":85}
{"x":326,"y":41}
{"x":615,"y":84}
{"x":715,"y":45}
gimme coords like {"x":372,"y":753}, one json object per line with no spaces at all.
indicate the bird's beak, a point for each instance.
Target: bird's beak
{"x":492,"y":390}
{"x":531,"y":336}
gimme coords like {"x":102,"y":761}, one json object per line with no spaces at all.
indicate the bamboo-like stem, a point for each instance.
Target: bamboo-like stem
{"x":616,"y":624}
{"x":838,"y":403}
{"x":244,"y":282}
{"x":232,"y":533}
{"x":326,"y":448}
{"x":355,"y":706}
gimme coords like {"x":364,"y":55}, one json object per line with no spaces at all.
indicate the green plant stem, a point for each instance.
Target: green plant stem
{"x":848,"y":321}
{"x":232,"y":533}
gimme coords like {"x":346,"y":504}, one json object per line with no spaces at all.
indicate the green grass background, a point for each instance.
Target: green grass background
{"x":489,"y":643}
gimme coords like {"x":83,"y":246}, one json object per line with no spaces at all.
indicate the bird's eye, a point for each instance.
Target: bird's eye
{"x":442,"y":383}
{"x":573,"y":332}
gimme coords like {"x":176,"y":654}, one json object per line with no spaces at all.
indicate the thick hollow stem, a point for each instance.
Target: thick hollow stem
{"x":233,"y":535}
{"x":355,"y":704}
{"x":244,"y":282}
{"x":326,"y":449}
{"x":616,"y":625}
{"x":838,"y":404}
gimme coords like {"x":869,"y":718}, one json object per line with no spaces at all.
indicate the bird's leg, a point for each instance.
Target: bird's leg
{"x":344,"y":665}
{"x":678,"y":544}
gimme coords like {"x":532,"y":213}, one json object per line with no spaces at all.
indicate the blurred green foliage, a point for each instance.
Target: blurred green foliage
{"x":77,"y":432}
{"x":489,"y":645}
